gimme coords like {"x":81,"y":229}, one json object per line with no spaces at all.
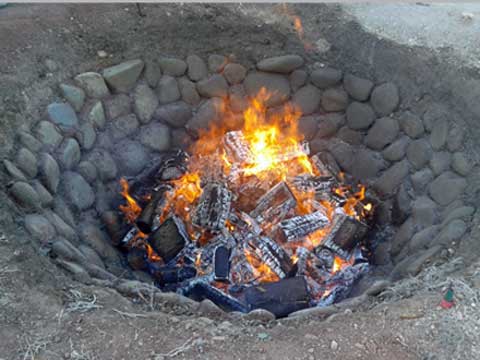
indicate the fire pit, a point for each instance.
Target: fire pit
{"x":275,"y":187}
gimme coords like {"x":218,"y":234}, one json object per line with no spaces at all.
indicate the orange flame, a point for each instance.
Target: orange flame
{"x":262,"y":272}
{"x":339,"y":264}
{"x":131,"y":210}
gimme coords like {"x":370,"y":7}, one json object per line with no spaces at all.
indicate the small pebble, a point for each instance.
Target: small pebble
{"x":102,"y":54}
{"x":334,"y":345}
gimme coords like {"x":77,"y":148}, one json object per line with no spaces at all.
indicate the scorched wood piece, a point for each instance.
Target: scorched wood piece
{"x":272,"y":254}
{"x":274,"y":205}
{"x":345,"y":234}
{"x":221,"y":263}
{"x":326,"y":165}
{"x":280,"y":298}
{"x":213,"y":207}
{"x":168,"y":239}
{"x":299,"y":226}
{"x":237,"y":148}
{"x":145,"y":220}
{"x":317,"y":184}
{"x":171,"y":275}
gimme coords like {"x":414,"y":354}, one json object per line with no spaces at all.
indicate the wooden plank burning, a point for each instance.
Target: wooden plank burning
{"x":213,"y":207}
{"x":272,"y":254}
{"x":280,"y":298}
{"x":221,"y":263}
{"x":274,"y":205}
{"x":297,"y":227}
{"x":345,"y":234}
{"x":169,"y":238}
{"x":237,"y":148}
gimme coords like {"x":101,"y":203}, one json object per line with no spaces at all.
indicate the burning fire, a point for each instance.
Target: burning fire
{"x":131,"y":210}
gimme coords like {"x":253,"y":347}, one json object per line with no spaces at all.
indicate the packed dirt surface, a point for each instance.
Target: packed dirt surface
{"x":44,"y":314}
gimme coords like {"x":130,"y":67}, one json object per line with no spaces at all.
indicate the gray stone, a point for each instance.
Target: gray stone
{"x":46,"y":199}
{"x":61,"y":227}
{"x":411,"y":125}
{"x":155,"y":136}
{"x":366,"y":165}
{"x":234,"y":73}
{"x":117,"y":105}
{"x":434,"y":113}
{"x":216,"y":63}
{"x":152,"y":73}
{"x":455,"y":138}
{"x":69,"y":154}
{"x":176,"y":114}
{"x":385,"y":98}
{"x":343,"y":153}
{"x":86,"y":136}
{"x":49,"y":172}
{"x":96,"y":115}
{"x":439,"y":134}
{"x":77,"y":190}
{"x":451,"y":207}
{"x":307,"y":126}
{"x":280,"y":64}
{"x":74,"y":95}
{"x":188,"y":91}
{"x":350,"y":136}
{"x":91,"y":256}
{"x":106,"y":166}
{"x":124,"y":126}
{"x":25,"y":195}
{"x":40,"y":228}
{"x":421,"y":179}
{"x":63,"y":210}
{"x":98,"y":241}
{"x":237,"y":98}
{"x":144,"y":102}
{"x":328,"y":124}
{"x":167,"y":89}
{"x":402,"y":205}
{"x":297,"y":78}
{"x":213,"y":86}
{"x":383,"y":213}
{"x":447,"y":188}
{"x":359,"y":116}
{"x":27,"y":162}
{"x":307,"y":99}
{"x":423,"y":238}
{"x":325,"y":77}
{"x":397,"y":150}
{"x":48,"y":134}
{"x":259,"y":315}
{"x":382,"y":133}
{"x":131,"y":157}
{"x":207,"y":307}
{"x":419,"y":153}
{"x":334,"y":100}
{"x":88,"y":171}
{"x":356,"y":87}
{"x":424,"y":212}
{"x":378,"y":287}
{"x":93,"y":84}
{"x":319,"y":145}
{"x":461,"y":164}
{"x":453,"y":232}
{"x":172,"y":67}
{"x":197,"y":69}
{"x":181,"y":139}
{"x":122,"y":77}
{"x":440,"y":162}
{"x":412,"y":265}
{"x":276,"y":85}
{"x":209,"y":112}
{"x":64,"y":249}
{"x":463,"y":213}
{"x":402,"y":236}
{"x":29,"y":141}
{"x":77,"y":271}
{"x":389,"y":181}
{"x":13,"y":171}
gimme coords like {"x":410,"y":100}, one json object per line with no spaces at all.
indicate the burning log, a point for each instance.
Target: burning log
{"x":273,"y":255}
{"x":221,"y":263}
{"x":168,"y":239}
{"x":171,"y":275}
{"x":129,"y":236}
{"x":326,"y":165}
{"x":280,"y":298}
{"x":237,"y":148}
{"x":345,"y":234}
{"x":146,"y":219}
{"x":213,"y":207}
{"x":274,"y":205}
{"x":317,"y":184}
{"x":299,"y":226}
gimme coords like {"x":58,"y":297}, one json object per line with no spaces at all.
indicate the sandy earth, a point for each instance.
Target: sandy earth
{"x":40,"y":316}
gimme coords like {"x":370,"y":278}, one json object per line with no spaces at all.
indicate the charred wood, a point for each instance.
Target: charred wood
{"x":168,"y":239}
{"x":299,"y":226}
{"x":274,"y":205}
{"x":137,"y":258}
{"x":280,"y":298}
{"x":145,"y":220}
{"x":273,"y":255}
{"x":213,"y":207}
{"x":221,"y":264}
{"x":171,"y":275}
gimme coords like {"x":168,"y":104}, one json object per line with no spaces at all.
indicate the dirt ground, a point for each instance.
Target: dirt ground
{"x":40,"y":307}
